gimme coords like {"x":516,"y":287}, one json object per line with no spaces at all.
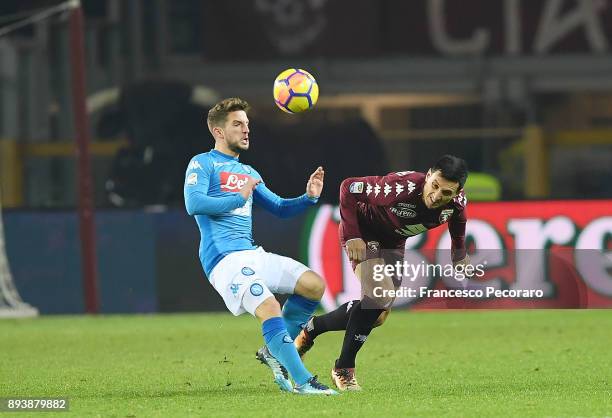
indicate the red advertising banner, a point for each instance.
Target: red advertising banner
{"x":537,"y":254}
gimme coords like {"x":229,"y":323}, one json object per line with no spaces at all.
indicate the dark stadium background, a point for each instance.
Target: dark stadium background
{"x":401,"y":83}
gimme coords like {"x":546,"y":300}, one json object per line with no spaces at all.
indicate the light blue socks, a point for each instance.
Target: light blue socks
{"x":281,"y":346}
{"x":297,"y":310}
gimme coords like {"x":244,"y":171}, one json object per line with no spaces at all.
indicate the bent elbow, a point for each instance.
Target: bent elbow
{"x":190,"y":207}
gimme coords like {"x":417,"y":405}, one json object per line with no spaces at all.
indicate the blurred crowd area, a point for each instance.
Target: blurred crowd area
{"x":522,"y":90}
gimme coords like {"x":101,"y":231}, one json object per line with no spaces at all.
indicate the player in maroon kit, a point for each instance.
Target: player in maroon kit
{"x":380,"y":212}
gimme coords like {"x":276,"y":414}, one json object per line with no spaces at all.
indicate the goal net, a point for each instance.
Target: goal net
{"x":11,"y":304}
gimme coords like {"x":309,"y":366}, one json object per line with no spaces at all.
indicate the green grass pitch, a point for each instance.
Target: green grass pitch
{"x":451,"y":363}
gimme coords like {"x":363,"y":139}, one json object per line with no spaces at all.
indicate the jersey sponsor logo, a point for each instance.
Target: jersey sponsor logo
{"x":192,"y":179}
{"x":215,"y":164}
{"x":406,"y":205}
{"x":411,"y":187}
{"x":368,"y":189}
{"x":247,"y":271}
{"x":411,"y":230}
{"x":193,"y":165}
{"x":356,"y":187}
{"x":387,"y":189}
{"x":256,"y":289}
{"x":233,"y":182}
{"x":403,"y":212}
{"x":404,"y":173}
{"x":445,"y":215}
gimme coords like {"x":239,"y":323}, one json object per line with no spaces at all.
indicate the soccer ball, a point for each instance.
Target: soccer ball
{"x":295,"y":90}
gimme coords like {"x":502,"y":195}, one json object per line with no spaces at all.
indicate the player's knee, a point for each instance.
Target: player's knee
{"x":317,"y":287}
{"x":269,"y":308}
{"x":310,"y":285}
{"x":381,"y":318}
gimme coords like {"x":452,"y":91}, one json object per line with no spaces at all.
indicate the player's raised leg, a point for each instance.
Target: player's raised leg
{"x":300,"y":306}
{"x":280,"y":354}
{"x":338,"y":319}
{"x":335,"y":320}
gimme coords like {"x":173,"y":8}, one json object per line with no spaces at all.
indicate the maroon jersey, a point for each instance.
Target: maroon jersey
{"x":390,"y":208}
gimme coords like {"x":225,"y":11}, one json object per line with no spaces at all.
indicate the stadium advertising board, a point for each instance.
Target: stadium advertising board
{"x":553,"y":254}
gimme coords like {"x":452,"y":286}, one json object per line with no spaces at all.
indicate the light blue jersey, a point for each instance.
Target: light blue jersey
{"x":212,"y":183}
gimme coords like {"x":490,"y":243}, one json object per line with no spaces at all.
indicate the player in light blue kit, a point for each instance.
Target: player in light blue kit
{"x":219,"y":192}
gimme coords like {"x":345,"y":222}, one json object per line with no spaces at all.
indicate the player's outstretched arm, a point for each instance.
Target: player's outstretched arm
{"x":285,"y":208}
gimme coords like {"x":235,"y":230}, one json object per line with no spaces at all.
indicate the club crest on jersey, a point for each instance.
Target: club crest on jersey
{"x":373,"y":246}
{"x":445,"y":215}
{"x":403,"y":212}
{"x":232,"y":182}
{"x":356,"y":187}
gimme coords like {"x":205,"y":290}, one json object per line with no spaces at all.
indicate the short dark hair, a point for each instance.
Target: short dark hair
{"x":217,"y":115}
{"x":452,"y":168}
